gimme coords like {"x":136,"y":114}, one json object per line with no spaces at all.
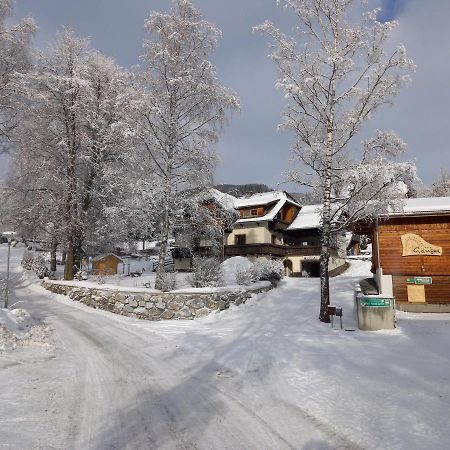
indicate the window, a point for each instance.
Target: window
{"x":252,"y":212}
{"x":239,"y":239}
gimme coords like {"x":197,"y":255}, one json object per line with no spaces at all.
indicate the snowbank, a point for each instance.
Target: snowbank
{"x":231,"y":265}
{"x":18,"y":328}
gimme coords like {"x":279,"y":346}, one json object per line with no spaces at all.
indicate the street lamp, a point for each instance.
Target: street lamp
{"x":9,"y":235}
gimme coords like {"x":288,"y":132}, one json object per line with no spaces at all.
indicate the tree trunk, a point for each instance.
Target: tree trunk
{"x":63,"y":257}
{"x":163,"y":249}
{"x":324,"y":278}
{"x":54,"y":248}
{"x":326,"y":231}
{"x":68,"y":266}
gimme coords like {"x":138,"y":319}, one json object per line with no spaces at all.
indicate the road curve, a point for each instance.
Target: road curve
{"x":108,"y":382}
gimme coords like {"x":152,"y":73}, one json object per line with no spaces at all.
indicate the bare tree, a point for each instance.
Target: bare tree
{"x":14,"y":60}
{"x":71,"y":142}
{"x":441,"y":187}
{"x":182,"y":110}
{"x":336,"y":77}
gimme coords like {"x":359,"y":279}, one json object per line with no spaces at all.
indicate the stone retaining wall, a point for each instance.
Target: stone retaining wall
{"x":153,"y":305}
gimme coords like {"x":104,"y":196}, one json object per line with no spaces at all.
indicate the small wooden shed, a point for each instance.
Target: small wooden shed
{"x":106,"y":264}
{"x":413,"y":246}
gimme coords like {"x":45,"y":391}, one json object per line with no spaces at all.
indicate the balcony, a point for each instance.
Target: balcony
{"x":273,"y":250}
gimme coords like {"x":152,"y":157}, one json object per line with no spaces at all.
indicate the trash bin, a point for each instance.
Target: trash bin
{"x":375,"y":312}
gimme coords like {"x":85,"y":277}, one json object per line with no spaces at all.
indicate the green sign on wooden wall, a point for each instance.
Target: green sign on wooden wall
{"x":419,"y":280}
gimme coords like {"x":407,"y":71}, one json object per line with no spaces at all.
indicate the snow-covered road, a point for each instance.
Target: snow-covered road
{"x":265,"y":375}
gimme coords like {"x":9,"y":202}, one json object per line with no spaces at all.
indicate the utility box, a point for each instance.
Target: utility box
{"x":375,"y":312}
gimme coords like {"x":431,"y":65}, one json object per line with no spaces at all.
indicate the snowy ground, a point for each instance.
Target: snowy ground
{"x":147,"y":279}
{"x":265,"y":375}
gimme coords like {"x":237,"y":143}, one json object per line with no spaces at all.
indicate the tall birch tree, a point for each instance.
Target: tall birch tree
{"x":182,"y":110}
{"x":336,"y":73}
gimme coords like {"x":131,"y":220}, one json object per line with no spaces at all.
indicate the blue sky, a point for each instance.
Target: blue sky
{"x":391,"y":9}
{"x":251,"y":148}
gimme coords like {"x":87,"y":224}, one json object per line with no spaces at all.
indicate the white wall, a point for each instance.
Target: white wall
{"x":253,"y":233}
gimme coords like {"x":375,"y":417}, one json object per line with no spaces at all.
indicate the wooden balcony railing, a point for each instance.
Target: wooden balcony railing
{"x":273,"y":250}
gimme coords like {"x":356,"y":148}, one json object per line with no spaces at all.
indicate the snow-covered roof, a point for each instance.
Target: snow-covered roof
{"x":310,"y":216}
{"x":99,"y":257}
{"x":263,"y":199}
{"x":425,"y":205}
{"x":227,"y":201}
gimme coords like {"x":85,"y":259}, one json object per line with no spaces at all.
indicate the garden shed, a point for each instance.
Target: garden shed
{"x":106,"y":264}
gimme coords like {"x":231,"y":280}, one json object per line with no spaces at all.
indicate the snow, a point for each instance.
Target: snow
{"x":264,"y":375}
{"x":423,"y":205}
{"x":231,"y":265}
{"x":122,"y":283}
{"x":265,"y":198}
{"x":310,"y":216}
{"x":17,"y":321}
{"x":227,"y":201}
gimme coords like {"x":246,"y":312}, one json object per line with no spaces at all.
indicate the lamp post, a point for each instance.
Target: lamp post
{"x":9,"y":235}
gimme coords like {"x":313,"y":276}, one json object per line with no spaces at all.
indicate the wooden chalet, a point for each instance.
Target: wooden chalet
{"x":413,"y":247}
{"x":274,"y":225}
{"x":106,"y":264}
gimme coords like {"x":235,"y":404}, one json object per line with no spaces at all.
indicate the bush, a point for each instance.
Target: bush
{"x":39,"y":267}
{"x":27,"y":260}
{"x":207,"y":272}
{"x":269,"y":269}
{"x":245,"y":275}
{"x":36,"y":263}
{"x":261,"y":270}
{"x":168,"y":281}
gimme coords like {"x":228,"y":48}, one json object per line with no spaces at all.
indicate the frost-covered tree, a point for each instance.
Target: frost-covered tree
{"x":181,"y":112}
{"x":441,"y":187}
{"x":72,"y":138}
{"x":14,"y":60}
{"x":336,"y":73}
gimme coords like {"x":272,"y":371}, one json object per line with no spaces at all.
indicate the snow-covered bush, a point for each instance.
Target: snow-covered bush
{"x":245,"y":275}
{"x":268,"y":269}
{"x":207,"y":272}
{"x":82,"y":275}
{"x":39,"y":266}
{"x":27,"y":260}
{"x":262,"y":269}
{"x":99,"y":279}
{"x":168,"y":281}
{"x":36,"y":263}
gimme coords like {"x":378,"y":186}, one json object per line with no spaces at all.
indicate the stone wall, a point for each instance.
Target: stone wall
{"x":153,"y":305}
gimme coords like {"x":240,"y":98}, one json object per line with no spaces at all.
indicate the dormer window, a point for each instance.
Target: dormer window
{"x":252,"y":212}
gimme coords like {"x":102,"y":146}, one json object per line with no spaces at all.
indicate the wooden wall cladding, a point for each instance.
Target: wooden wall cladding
{"x":435,"y":230}
{"x":289,"y":213}
{"x":438,"y":292}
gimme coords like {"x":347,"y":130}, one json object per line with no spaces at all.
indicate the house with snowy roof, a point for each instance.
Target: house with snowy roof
{"x":411,"y":253}
{"x":275,"y":225}
{"x":203,"y":233}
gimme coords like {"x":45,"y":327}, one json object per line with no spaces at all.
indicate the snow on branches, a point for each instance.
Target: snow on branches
{"x":181,"y":109}
{"x":336,"y":73}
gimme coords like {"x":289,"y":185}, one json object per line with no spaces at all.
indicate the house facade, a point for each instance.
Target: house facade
{"x":412,"y":248}
{"x":275,"y":225}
